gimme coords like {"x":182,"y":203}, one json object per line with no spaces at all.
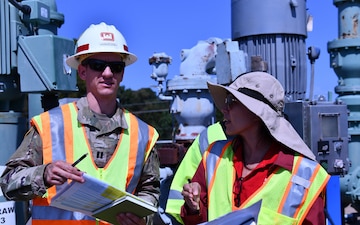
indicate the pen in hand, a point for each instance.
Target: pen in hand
{"x":79,"y":160}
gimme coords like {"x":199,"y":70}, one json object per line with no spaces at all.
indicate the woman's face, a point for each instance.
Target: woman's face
{"x":238,"y":119}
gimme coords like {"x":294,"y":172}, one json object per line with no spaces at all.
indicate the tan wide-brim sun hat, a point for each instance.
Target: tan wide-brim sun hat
{"x":263,"y":95}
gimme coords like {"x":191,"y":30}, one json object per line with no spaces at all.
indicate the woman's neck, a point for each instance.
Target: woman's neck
{"x":253,"y":153}
{"x":256,"y":151}
{"x":255,"y":147}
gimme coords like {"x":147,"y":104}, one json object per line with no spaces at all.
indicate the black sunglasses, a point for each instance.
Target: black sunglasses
{"x":100,"y":65}
{"x":230,"y":100}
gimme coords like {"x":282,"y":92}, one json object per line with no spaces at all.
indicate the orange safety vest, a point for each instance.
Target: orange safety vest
{"x":68,"y":141}
{"x":286,"y":196}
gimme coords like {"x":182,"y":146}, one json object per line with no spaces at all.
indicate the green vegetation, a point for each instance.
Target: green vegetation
{"x":146,"y":105}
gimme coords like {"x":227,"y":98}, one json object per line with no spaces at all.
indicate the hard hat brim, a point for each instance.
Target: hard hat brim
{"x":73,"y":61}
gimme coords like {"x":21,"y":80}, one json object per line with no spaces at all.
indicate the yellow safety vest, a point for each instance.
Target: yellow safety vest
{"x":286,"y":196}
{"x":188,"y":166}
{"x":68,"y":141}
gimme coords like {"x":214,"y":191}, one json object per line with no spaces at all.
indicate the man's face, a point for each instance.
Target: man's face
{"x":102,"y":73}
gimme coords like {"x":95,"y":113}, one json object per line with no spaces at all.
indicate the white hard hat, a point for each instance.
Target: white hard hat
{"x":100,"y":38}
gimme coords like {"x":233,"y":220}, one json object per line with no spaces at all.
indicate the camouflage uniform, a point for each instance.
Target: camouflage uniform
{"x":23,"y":176}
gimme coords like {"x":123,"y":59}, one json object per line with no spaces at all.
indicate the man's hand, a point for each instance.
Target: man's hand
{"x":58,"y":172}
{"x":191,"y":193}
{"x":130,"y":219}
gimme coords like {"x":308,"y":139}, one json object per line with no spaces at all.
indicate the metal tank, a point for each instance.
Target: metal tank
{"x":191,"y":103}
{"x":277,"y":33}
{"x":344,"y":59}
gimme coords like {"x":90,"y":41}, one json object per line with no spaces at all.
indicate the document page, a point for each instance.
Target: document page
{"x":86,"y":197}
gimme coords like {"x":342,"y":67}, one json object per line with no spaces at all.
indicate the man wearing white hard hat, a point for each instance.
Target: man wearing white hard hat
{"x":267,"y":161}
{"x":119,"y":145}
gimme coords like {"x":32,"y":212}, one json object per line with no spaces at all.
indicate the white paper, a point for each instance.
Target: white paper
{"x":7,"y":208}
{"x":86,"y":197}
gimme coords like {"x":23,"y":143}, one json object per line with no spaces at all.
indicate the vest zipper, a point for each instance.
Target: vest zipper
{"x":101,"y":170}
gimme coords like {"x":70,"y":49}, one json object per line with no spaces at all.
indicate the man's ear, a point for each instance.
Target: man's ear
{"x":82,"y":72}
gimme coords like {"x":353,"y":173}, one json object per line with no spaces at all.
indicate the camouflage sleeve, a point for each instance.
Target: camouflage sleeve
{"x":149,"y":184}
{"x":22,"y":178}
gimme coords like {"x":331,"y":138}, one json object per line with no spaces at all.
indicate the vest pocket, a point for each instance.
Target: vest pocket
{"x":268,"y":216}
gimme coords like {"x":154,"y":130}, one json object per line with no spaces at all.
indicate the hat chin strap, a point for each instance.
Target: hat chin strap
{"x":258,"y":96}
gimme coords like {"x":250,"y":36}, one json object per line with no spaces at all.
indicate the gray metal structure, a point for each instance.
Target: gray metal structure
{"x":191,"y":102}
{"x":25,"y":29}
{"x":344,"y":59}
{"x":276,"y":34}
{"x":323,"y":127}
{"x":28,"y":72}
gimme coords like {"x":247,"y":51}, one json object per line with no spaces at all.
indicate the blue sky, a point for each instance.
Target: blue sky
{"x":170,"y":26}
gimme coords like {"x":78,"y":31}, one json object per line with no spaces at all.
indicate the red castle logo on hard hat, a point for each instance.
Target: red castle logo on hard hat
{"x":107,"y":36}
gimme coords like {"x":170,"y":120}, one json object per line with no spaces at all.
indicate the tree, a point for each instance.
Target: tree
{"x":146,"y":105}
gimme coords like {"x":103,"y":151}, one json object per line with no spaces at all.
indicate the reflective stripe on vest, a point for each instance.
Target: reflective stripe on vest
{"x":212,"y":165}
{"x":189,"y":165}
{"x":68,"y":141}
{"x":295,"y":192}
{"x":212,"y":133}
{"x":55,"y":216}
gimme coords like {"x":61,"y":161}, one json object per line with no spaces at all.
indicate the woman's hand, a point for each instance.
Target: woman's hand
{"x":191,"y":193}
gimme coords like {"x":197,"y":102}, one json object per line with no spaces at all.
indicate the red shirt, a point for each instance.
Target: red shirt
{"x":277,"y":156}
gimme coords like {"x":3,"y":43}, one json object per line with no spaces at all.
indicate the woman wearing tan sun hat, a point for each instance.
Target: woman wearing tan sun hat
{"x":267,"y":161}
